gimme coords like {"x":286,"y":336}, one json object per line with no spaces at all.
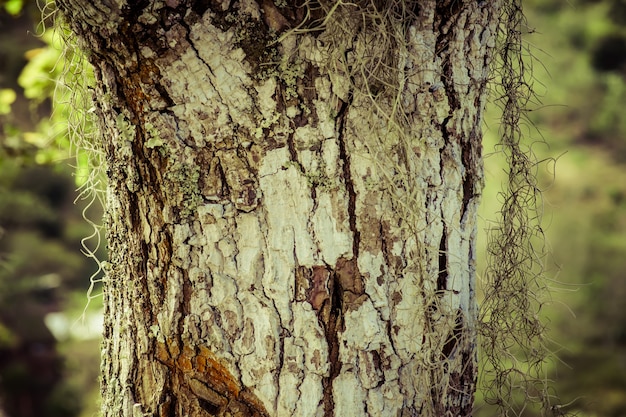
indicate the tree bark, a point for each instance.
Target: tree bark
{"x":291,"y":204}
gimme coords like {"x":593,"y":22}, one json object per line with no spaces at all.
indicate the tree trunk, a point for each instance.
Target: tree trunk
{"x":291,"y":205}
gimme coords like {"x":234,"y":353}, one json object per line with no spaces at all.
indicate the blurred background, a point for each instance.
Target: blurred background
{"x":49,"y":334}
{"x":49,"y":349}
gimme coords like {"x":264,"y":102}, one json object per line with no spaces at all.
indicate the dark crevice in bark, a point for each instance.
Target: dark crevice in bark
{"x":201,"y":6}
{"x":163,"y":91}
{"x":132,"y":10}
{"x":470,"y":155}
{"x":210,"y":408}
{"x":347,"y":175}
{"x":331,"y":329}
{"x":281,"y":361}
{"x":447,"y":11}
{"x":454,"y":337}
{"x":133,"y":210}
{"x":293,"y":153}
{"x":384,"y":246}
{"x":186,"y":299}
{"x":442,"y":277}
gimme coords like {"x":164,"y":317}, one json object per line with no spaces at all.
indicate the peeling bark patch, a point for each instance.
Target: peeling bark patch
{"x":318,"y":283}
{"x":208,"y":383}
{"x":350,"y":283}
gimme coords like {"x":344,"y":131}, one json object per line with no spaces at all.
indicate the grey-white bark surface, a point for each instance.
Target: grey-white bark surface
{"x":287,"y":237}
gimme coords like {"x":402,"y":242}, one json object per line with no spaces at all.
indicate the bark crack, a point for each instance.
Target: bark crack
{"x":442,"y":277}
{"x":470,"y":155}
{"x":448,"y":12}
{"x":208,"y":67}
{"x":468,"y":177}
{"x":335,"y":289}
{"x":331,"y":329}
{"x":293,"y":152}
{"x":347,"y":176}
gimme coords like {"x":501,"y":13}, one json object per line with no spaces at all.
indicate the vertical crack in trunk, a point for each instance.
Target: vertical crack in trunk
{"x":333,"y":324}
{"x":442,"y":277}
{"x":468,"y":178}
{"x":331,"y":329}
{"x":347,"y":176}
{"x":456,"y":397}
{"x":291,"y":146}
{"x":470,"y":155}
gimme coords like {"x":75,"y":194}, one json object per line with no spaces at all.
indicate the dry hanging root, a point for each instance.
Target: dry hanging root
{"x":514,"y":347}
{"x":72,"y":94}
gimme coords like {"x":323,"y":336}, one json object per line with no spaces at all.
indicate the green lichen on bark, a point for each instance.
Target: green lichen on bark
{"x":182,"y":186}
{"x":154,"y":138}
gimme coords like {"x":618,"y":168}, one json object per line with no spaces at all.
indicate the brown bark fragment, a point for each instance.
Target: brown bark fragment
{"x":210,"y":384}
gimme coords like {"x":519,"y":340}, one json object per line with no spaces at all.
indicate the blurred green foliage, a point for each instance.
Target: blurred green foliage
{"x":13,"y":7}
{"x":42,"y":270}
{"x":7,"y":97}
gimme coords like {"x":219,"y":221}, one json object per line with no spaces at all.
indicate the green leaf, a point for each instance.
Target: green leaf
{"x":7,"y":97}
{"x":13,"y":7}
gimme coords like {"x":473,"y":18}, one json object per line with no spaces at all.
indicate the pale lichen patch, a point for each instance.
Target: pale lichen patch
{"x":262,"y":361}
{"x":227,"y":70}
{"x":249,"y":255}
{"x":332,"y":235}
{"x":348,"y":394}
{"x":363,"y":331}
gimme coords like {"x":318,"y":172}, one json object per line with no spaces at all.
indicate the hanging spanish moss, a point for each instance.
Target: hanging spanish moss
{"x":514,"y":345}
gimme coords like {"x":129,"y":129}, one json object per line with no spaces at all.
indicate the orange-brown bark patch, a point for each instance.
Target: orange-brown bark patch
{"x":208,"y":366}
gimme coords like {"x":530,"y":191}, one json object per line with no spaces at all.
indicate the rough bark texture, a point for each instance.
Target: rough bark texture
{"x":276,"y":248}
